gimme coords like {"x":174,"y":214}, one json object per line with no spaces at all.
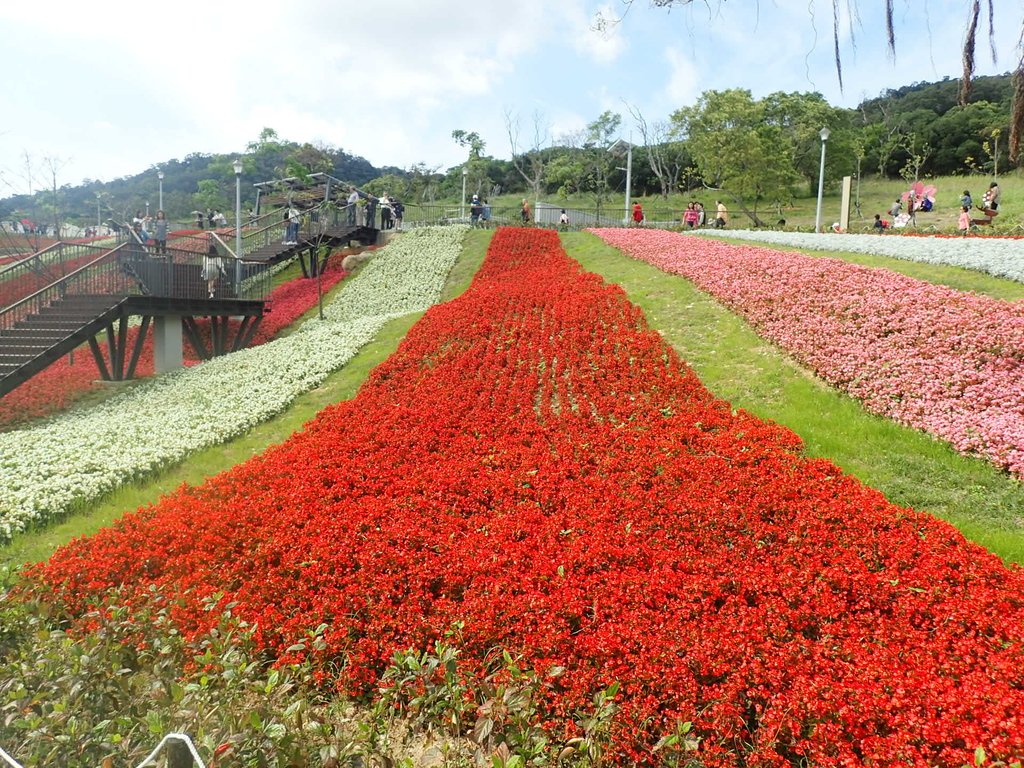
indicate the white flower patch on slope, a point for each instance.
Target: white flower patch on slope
{"x":81,"y":455}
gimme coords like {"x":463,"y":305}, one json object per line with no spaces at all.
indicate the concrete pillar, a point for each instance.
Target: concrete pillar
{"x":167,"y":345}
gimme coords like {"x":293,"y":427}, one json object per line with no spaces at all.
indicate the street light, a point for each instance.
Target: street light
{"x":237,"y":165}
{"x":160,"y":178}
{"x":824,"y":134}
{"x":462,"y":205}
{"x":147,"y":209}
{"x":99,"y":222}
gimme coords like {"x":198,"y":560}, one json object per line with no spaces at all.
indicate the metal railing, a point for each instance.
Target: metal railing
{"x":28,"y":275}
{"x":542,"y":214}
{"x":103,"y":276}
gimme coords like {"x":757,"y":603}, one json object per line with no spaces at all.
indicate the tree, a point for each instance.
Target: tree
{"x":210,"y":194}
{"x":666,"y":157}
{"x":528,"y":164}
{"x":474,"y":163}
{"x":597,"y":138}
{"x":967,"y":53}
{"x":737,"y":151}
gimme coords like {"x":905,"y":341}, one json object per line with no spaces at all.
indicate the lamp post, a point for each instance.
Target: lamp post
{"x":462,"y":204}
{"x":147,"y":209}
{"x":98,"y":220}
{"x":824,"y":134}
{"x":237,"y":165}
{"x":160,"y":178}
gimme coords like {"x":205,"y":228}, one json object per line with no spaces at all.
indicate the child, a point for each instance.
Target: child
{"x":964,"y":223}
{"x":880,"y":224}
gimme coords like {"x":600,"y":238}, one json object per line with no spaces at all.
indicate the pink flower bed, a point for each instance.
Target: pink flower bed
{"x":948,"y":362}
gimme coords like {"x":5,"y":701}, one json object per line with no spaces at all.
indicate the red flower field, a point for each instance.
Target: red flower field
{"x":535,"y":466}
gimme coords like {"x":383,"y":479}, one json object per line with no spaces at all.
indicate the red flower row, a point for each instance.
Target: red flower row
{"x":535,"y":466}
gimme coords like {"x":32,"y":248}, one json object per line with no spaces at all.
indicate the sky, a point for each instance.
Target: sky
{"x":113,"y":88}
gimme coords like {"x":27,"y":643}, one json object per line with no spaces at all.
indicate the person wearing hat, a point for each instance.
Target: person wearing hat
{"x":476,"y":210}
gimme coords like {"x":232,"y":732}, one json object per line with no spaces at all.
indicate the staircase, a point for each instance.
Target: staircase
{"x":39,"y":339}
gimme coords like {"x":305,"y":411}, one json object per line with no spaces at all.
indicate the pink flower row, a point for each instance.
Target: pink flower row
{"x":941,"y":360}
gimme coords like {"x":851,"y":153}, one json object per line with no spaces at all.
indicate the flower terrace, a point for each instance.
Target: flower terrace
{"x":535,"y":472}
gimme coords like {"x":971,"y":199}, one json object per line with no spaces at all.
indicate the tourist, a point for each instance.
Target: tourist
{"x":524,"y":212}
{"x":990,"y":200}
{"x":476,"y":210}
{"x":213,"y":268}
{"x":721,"y":214}
{"x":352,"y":205}
{"x":160,"y":232}
{"x":964,"y":222}
{"x":638,"y":214}
{"x":294,"y":218}
{"x":399,"y":210}
{"x":691,"y":215}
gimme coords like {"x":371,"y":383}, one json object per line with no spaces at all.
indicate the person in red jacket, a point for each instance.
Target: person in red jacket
{"x":638,"y":214}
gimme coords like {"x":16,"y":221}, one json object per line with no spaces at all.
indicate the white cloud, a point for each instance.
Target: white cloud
{"x":683,"y":83}
{"x":123,"y":86}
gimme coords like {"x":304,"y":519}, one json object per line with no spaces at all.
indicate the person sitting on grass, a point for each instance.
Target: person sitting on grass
{"x":880,"y":224}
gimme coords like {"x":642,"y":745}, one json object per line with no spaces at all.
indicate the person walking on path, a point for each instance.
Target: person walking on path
{"x":213,"y":268}
{"x":721,"y":214}
{"x":638,"y":214}
{"x":294,"y":219}
{"x":524,"y":212}
{"x":964,"y":222}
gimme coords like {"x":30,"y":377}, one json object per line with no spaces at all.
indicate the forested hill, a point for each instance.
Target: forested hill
{"x":938,"y":97}
{"x":922,"y":125}
{"x":197,"y":181}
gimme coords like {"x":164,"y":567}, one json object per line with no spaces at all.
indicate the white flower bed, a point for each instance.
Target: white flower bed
{"x":83,"y":454}
{"x":1003,"y":257}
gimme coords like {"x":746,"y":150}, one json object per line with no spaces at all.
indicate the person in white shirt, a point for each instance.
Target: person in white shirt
{"x":353,"y":200}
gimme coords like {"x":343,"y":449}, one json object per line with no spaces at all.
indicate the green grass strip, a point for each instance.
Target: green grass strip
{"x":909,"y":467}
{"x":34,"y":546}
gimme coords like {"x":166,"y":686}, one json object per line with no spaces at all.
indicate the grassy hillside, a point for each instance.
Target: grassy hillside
{"x":875,"y":195}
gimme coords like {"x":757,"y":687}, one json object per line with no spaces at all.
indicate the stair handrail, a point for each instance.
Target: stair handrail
{"x":36,"y":265}
{"x":38,"y":256}
{"x":150,"y":758}
{"x":56,"y":289}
